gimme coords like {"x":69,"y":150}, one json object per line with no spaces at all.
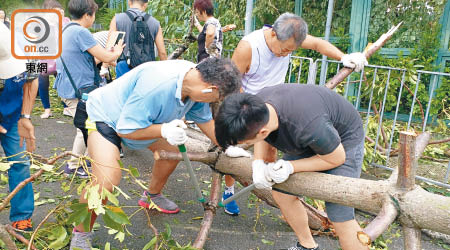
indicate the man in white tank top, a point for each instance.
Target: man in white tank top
{"x":263,"y":58}
{"x":263,"y":55}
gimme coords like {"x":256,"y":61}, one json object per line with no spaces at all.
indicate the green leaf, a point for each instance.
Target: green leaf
{"x":79,"y":214}
{"x":117,"y":215}
{"x":111,"y":197}
{"x":47,"y":167}
{"x":94,"y":199}
{"x":150,"y":243}
{"x":109,"y":222}
{"x":108,"y":246}
{"x":168,"y":230}
{"x":134,"y":171}
{"x":120,"y":236}
{"x":87,"y":223}
{"x":267,"y":242}
{"x":58,"y":233}
{"x":81,"y":186}
{"x":4,"y":166}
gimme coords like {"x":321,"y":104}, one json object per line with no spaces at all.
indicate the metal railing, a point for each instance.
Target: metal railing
{"x":384,"y":95}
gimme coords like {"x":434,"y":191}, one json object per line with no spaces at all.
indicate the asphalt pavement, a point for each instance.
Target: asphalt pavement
{"x":258,"y":227}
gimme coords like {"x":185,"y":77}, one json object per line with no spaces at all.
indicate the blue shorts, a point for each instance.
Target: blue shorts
{"x":121,"y":68}
{"x":351,"y":168}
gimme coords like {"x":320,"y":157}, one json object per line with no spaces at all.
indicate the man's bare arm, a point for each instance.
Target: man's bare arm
{"x":159,"y":41}
{"x":25,"y":127}
{"x":242,"y":56}
{"x":322,"y":46}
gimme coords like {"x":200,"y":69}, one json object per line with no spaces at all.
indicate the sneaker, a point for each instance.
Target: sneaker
{"x":300,"y":247}
{"x":159,"y":202}
{"x":47,"y":113}
{"x":81,"y":240}
{"x":231,"y":208}
{"x":24,"y":225}
{"x":67,"y":112}
{"x":121,"y":153}
{"x":80,"y":172}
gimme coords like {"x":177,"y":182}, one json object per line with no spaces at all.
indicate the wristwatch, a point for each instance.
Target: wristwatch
{"x":25,"y":116}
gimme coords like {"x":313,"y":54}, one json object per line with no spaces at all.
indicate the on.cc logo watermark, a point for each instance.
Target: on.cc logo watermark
{"x":36,"y":34}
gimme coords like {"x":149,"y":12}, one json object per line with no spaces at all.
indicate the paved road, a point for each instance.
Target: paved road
{"x":258,"y":226}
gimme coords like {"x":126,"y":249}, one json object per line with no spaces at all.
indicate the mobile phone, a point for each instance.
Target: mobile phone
{"x":120,"y":35}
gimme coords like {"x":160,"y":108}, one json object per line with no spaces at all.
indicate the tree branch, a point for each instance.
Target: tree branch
{"x":150,"y":225}
{"x":208,"y":158}
{"x":4,"y":236}
{"x":344,"y":72}
{"x":210,"y":211}
{"x":30,"y":245}
{"x":417,"y":100}
{"x":412,"y":238}
{"x":31,"y":178}
{"x":385,"y":217}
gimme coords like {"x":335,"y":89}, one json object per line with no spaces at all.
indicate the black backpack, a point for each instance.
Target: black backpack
{"x":141,"y":46}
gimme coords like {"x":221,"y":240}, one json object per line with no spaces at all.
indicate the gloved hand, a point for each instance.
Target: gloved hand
{"x":355,"y":60}
{"x":104,"y":71}
{"x":234,"y":152}
{"x":174,"y":132}
{"x":260,"y":175}
{"x":280,"y":171}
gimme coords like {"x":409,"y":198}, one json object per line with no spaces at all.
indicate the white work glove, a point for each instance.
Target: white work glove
{"x":355,"y":61}
{"x":280,"y":171}
{"x":260,"y":175}
{"x":174,"y":132}
{"x":234,"y":152}
{"x":104,"y":71}
{"x":196,"y":22}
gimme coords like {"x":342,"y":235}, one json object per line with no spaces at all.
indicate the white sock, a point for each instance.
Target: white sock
{"x":229,"y":190}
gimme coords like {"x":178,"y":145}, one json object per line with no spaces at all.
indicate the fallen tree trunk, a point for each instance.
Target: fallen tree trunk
{"x":417,"y":209}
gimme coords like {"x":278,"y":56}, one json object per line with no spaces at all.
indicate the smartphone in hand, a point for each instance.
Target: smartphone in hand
{"x":120,"y":35}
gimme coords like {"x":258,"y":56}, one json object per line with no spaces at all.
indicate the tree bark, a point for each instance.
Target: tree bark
{"x":411,"y":238}
{"x":384,"y":219}
{"x":416,"y":208}
{"x":210,"y":211}
{"x":4,"y":236}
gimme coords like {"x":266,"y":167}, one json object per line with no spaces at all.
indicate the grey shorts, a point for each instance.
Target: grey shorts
{"x":350,"y":168}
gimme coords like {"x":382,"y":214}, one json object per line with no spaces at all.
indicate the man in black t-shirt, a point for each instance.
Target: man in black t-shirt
{"x":316,"y":129}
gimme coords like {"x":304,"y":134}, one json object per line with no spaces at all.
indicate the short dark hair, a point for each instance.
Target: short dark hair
{"x":222,"y":73}
{"x":240,"y":117}
{"x":204,"y":5}
{"x":52,"y":4}
{"x":77,"y":8}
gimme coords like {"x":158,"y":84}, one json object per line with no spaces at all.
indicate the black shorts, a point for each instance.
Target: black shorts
{"x":351,"y":168}
{"x":109,"y":134}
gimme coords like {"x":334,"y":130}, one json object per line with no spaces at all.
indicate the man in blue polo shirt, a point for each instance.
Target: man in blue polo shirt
{"x":16,"y":102}
{"x":142,"y":109}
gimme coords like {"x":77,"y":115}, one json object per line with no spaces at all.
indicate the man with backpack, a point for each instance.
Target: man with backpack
{"x":142,"y":31}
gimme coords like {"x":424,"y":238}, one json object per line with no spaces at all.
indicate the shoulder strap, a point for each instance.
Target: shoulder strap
{"x":128,"y":12}
{"x":65,"y":67}
{"x":70,"y":79}
{"x":68,"y":25}
{"x":96,"y":80}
